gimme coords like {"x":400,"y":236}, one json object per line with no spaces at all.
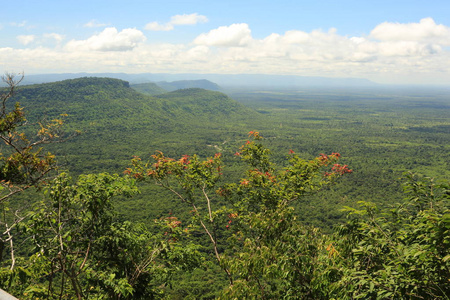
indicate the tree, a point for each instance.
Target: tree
{"x":80,"y":251}
{"x":256,"y":228}
{"x":23,"y":162}
{"x":400,"y":253}
{"x":78,"y":247}
{"x":267,"y":253}
{"x":74,"y":247}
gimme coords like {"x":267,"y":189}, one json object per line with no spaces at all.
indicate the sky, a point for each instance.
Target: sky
{"x":395,"y":41}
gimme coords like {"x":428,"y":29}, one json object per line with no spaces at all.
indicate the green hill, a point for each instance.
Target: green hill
{"x":149,"y":88}
{"x":119,"y":122}
{"x":203,"y":103}
{"x":186,"y":84}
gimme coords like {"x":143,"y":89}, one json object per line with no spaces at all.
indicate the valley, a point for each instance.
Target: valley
{"x":380,"y":133}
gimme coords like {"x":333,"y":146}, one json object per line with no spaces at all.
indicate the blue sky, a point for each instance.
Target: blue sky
{"x":385,"y":41}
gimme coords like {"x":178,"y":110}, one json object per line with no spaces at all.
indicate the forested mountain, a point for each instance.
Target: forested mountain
{"x":162,"y":87}
{"x":219,"y":213}
{"x":381,"y":136}
{"x":229,"y":80}
{"x":119,"y":122}
{"x":184,"y":84}
{"x":149,"y":88}
{"x":204,"y":104}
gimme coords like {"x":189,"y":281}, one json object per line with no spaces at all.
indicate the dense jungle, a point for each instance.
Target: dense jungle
{"x":188,"y":190}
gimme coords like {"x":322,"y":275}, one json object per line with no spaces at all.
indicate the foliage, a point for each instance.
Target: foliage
{"x":23,"y":162}
{"x":381,"y":132}
{"x":148,"y":88}
{"x":83,"y":253}
{"x":402,"y":253}
{"x":186,"y":84}
{"x":254,"y":216}
{"x":262,"y":236}
{"x":267,"y":253}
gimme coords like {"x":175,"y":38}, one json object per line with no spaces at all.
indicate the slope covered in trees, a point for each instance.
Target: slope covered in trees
{"x":185,"y":84}
{"x":235,"y":217}
{"x":380,"y":135}
{"x":149,"y":88}
{"x":119,"y":122}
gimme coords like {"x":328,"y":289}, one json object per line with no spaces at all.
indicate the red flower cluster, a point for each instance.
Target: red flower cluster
{"x":254,"y":134}
{"x":245,"y":182}
{"x":230,"y":217}
{"x":323,"y":158}
{"x":185,"y":160}
{"x":335,"y":154}
{"x":341,"y":170}
{"x":173,"y":222}
{"x":229,"y":223}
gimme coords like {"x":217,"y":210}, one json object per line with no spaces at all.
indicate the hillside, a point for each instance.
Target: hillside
{"x":224,"y":80}
{"x":119,"y":122}
{"x":149,"y":88}
{"x":186,"y":84}
{"x":378,"y":136}
{"x":369,"y":130}
{"x":202,"y":103}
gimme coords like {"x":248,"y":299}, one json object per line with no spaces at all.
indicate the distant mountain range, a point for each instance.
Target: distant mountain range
{"x":166,"y":80}
{"x":186,"y":84}
{"x":162,"y":87}
{"x":149,"y":88}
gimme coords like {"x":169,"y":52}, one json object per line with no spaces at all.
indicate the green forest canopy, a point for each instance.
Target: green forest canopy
{"x":231,"y":218}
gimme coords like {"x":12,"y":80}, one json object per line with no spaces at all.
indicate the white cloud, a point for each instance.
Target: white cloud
{"x":198,"y":53}
{"x":155,"y":26}
{"x":94,"y":23}
{"x":232,"y":49}
{"x":235,"y":35}
{"x":358,"y":40}
{"x":109,"y":40}
{"x":185,"y":19}
{"x":25,"y":39}
{"x":55,"y":36}
{"x":16,"y":24}
{"x":424,"y":31}
{"x":296,"y":37}
{"x":407,"y":49}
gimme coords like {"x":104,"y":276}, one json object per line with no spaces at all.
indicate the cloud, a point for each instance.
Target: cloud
{"x":55,"y":36}
{"x":25,"y":39}
{"x":424,"y":31}
{"x":155,"y":26}
{"x":407,"y":49}
{"x":198,"y":53}
{"x":109,"y":40}
{"x":94,"y":23}
{"x":16,"y":24}
{"x":185,"y":19}
{"x":416,"y":58}
{"x":235,"y":35}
